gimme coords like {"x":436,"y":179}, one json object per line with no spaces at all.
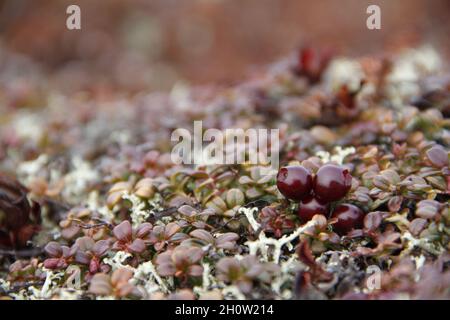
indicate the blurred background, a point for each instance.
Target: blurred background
{"x":151,"y":45}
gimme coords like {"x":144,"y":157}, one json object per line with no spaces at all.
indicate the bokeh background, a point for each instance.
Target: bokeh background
{"x":151,"y":45}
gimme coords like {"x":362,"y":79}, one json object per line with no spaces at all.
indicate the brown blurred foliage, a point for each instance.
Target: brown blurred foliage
{"x":153,"y":44}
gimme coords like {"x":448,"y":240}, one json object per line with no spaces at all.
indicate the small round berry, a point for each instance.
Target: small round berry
{"x":309,"y":207}
{"x":294,"y":182}
{"x":348,"y":217}
{"x":332,"y":183}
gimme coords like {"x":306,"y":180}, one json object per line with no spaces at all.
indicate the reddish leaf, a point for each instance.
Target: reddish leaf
{"x":123,"y":231}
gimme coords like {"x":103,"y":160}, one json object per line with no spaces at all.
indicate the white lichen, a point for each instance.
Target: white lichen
{"x":138,"y":213}
{"x":48,"y":290}
{"x":79,"y":179}
{"x":5,"y":285}
{"x":116,"y":262}
{"x":28,"y":170}
{"x":147,"y":274}
{"x":343,"y":72}
{"x":51,"y":283}
{"x":208,"y":281}
{"x":422,"y":243}
{"x":232,"y":292}
{"x":288,"y":269}
{"x":22,"y":295}
{"x":408,"y":68}
{"x":105,"y":213}
{"x":248,"y":212}
{"x":93,"y":204}
{"x":68,"y":294}
{"x":144,"y":274}
{"x":419,"y":261}
{"x":28,"y":126}
{"x":105,"y":298}
{"x":263,"y":243}
{"x":338,"y":156}
{"x":180,"y":97}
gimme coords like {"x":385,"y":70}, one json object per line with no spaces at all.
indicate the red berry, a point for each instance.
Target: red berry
{"x":294,"y":182}
{"x":332,"y":183}
{"x":311,"y":206}
{"x":348,"y":217}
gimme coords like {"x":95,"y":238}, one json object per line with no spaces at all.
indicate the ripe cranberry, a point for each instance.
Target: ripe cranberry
{"x":311,"y":206}
{"x":332,"y":183}
{"x":348,"y":217}
{"x":294,"y":182}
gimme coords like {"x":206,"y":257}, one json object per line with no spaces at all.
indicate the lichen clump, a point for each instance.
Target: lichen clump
{"x":92,"y":207}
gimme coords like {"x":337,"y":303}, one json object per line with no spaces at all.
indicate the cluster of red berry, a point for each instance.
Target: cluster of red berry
{"x":314,"y":194}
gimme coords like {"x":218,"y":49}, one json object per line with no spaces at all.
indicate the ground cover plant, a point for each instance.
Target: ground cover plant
{"x":93,"y":207}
